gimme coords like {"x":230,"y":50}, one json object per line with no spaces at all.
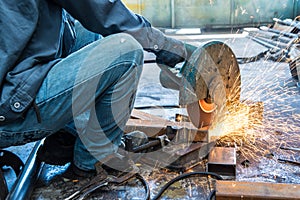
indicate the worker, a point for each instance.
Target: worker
{"x":69,"y":73}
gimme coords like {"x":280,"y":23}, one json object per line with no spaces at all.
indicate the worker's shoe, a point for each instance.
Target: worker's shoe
{"x":73,"y":173}
{"x":113,"y":167}
{"x":57,"y":148}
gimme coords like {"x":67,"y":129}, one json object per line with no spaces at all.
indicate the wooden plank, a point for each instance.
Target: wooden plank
{"x":256,"y":190}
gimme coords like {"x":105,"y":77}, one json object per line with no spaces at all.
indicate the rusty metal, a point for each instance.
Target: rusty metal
{"x":191,"y":156}
{"x":186,"y":158}
{"x":256,"y":190}
{"x":222,"y":160}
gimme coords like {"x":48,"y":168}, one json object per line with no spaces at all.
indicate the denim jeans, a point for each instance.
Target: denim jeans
{"x":90,"y":93}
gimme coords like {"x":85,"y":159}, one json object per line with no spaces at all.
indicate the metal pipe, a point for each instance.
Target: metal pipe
{"x":173,"y":21}
{"x":270,"y":35}
{"x":290,"y":35}
{"x":266,"y":44}
{"x":287,"y":23}
{"x":140,"y":6}
{"x":290,"y":148}
{"x":272,"y":42}
{"x":24,"y":185}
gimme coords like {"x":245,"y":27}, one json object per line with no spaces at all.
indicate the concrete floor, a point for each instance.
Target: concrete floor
{"x":263,"y":80}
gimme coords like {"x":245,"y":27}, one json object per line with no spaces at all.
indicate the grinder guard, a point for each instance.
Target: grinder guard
{"x":212,"y":75}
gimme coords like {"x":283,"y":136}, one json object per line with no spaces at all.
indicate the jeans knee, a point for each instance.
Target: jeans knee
{"x":130,"y":45}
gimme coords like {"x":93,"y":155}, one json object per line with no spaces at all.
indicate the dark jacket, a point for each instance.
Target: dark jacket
{"x":33,"y":35}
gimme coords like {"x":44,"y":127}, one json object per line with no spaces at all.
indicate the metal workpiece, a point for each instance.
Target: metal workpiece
{"x":179,"y":158}
{"x":213,"y":73}
{"x":222,"y":160}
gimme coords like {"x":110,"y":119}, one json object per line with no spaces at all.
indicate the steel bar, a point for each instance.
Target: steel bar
{"x":289,"y":161}
{"x":290,"y":35}
{"x":146,"y":146}
{"x":24,"y":185}
{"x":256,"y":190}
{"x":266,"y":44}
{"x":287,"y":23}
{"x":271,"y":36}
{"x":275,"y":43}
{"x":290,"y":148}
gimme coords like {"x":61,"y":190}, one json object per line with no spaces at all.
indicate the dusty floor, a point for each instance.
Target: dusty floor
{"x":264,"y":80}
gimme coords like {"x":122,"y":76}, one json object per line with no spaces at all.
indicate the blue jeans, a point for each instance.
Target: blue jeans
{"x":90,"y":93}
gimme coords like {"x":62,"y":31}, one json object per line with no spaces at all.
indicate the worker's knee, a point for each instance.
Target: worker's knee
{"x":128,"y":41}
{"x":129,"y":46}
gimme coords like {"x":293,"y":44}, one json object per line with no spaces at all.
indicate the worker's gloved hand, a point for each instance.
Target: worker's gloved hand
{"x":173,"y":52}
{"x":169,"y":51}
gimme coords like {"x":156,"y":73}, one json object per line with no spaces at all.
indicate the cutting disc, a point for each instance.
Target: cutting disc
{"x":211,"y":76}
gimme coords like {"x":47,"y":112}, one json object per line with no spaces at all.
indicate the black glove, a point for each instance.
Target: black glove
{"x":174,"y":52}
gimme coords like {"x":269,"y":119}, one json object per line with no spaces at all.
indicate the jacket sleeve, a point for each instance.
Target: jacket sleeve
{"x":112,"y":16}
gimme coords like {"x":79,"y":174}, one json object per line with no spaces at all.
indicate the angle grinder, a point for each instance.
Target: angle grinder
{"x":208,"y":82}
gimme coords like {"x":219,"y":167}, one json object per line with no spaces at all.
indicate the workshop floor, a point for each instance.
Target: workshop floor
{"x":262,"y":81}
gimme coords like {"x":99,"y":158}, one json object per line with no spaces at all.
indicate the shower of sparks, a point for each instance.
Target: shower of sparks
{"x":269,"y":121}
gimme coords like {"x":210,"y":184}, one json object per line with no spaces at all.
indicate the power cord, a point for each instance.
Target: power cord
{"x":188,"y":175}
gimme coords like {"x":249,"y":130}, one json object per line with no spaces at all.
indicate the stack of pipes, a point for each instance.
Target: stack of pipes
{"x":282,"y":40}
{"x":279,"y":38}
